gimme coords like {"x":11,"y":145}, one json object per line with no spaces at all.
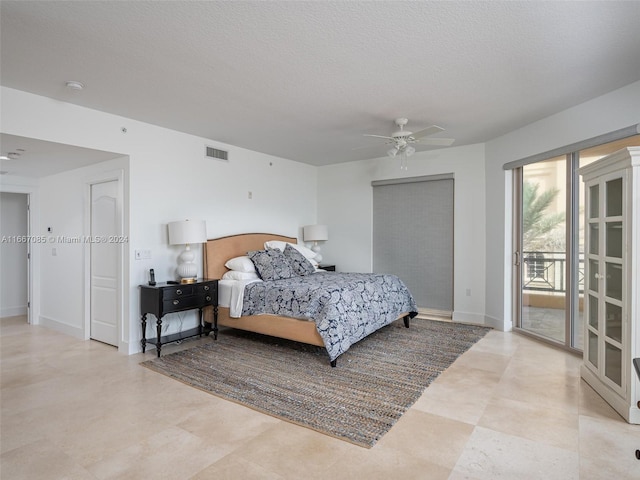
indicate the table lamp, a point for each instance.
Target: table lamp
{"x":315,"y":234}
{"x":187,"y":232}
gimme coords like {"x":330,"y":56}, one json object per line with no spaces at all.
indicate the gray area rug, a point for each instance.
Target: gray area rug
{"x":375,"y":382}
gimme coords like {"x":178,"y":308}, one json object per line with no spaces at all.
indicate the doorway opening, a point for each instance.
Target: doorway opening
{"x":15,"y":253}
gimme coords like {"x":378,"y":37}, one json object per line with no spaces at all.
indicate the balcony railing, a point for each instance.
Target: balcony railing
{"x":546,"y":272}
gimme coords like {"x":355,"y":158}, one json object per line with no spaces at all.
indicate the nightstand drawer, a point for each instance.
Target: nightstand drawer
{"x":177,"y":304}
{"x":178,"y":292}
{"x":208,"y":289}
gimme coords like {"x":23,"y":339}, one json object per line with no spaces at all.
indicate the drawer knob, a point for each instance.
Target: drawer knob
{"x":176,"y":302}
{"x":206,"y":287}
{"x":178,"y":292}
{"x":208,"y":298}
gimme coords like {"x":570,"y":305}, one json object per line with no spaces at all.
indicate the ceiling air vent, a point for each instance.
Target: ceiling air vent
{"x":211,"y":152}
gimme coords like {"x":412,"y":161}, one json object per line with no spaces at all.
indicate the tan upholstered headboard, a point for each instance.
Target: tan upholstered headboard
{"x":218,"y":250}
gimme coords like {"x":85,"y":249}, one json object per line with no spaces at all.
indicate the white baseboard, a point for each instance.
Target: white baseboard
{"x":134,"y":347}
{"x":62,"y":327}
{"x":13,"y":311}
{"x":466,"y":317}
{"x":497,"y":324}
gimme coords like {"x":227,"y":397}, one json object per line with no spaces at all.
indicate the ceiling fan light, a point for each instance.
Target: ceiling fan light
{"x":392,"y":152}
{"x":410,"y":150}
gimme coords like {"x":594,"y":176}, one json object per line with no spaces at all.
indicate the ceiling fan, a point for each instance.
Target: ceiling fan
{"x":402,"y":141}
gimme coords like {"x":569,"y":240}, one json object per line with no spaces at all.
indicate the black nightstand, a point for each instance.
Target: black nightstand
{"x":164,"y":298}
{"x":328,"y":268}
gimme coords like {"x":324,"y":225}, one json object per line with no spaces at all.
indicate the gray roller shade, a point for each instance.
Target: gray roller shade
{"x":413,"y":236}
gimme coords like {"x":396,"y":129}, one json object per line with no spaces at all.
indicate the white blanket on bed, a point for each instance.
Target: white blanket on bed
{"x":231,"y":295}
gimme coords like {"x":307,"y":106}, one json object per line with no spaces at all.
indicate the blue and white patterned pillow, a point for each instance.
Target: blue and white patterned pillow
{"x":299,"y":264}
{"x":271,"y":264}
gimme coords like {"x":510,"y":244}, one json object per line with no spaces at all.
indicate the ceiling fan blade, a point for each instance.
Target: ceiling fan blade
{"x":432,"y":130}
{"x":377,"y":136}
{"x":442,"y":142}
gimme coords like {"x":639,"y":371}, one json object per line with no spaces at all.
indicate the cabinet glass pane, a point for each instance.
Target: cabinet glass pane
{"x":593,"y":349}
{"x":614,"y":197}
{"x":594,"y":201}
{"x":593,"y":238}
{"x":593,"y":311}
{"x":593,"y":275}
{"x":613,"y":363}
{"x":614,"y":239}
{"x":613,"y":281}
{"x":613,"y":321}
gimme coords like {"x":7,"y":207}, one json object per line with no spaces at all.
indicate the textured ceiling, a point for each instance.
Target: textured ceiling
{"x":305,"y":80}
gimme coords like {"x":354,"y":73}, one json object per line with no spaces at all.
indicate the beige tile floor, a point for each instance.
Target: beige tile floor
{"x":509,"y":408}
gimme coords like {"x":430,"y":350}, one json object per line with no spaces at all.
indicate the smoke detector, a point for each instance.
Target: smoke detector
{"x":74,"y":85}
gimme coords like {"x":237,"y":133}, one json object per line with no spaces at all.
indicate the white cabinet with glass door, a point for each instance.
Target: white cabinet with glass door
{"x":612,"y":286}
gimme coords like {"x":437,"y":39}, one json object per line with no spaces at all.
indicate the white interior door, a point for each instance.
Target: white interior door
{"x":104,"y":262}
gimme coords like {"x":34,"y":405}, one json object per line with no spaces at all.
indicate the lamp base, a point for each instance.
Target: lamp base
{"x":316,"y":248}
{"x":187,"y":271}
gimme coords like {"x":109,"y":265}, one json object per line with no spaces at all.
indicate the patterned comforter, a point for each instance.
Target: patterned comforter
{"x":346,"y":307}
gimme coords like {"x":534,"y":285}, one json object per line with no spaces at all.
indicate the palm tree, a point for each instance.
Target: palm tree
{"x":538,"y":226}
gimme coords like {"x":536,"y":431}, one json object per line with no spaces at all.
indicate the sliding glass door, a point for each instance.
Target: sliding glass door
{"x":543,"y":251}
{"x":549,"y":244}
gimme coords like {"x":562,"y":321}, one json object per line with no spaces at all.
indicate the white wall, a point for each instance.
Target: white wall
{"x":169,"y":179}
{"x":13,"y":254}
{"x":613,"y":111}
{"x":345,"y":204}
{"x":62,"y":263}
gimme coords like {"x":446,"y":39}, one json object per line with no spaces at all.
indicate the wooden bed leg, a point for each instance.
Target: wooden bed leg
{"x":406,"y":320}
{"x":207,"y":328}
{"x":334,"y":363}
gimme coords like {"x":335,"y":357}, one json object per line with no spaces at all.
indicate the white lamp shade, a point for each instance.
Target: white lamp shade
{"x":187,"y":232}
{"x":315,"y":233}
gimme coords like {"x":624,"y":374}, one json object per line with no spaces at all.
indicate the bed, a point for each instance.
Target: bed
{"x":336,"y":334}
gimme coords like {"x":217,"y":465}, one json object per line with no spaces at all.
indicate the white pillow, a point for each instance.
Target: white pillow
{"x":235,"y":275}
{"x":306,"y":252}
{"x":241,"y":264}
